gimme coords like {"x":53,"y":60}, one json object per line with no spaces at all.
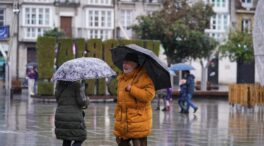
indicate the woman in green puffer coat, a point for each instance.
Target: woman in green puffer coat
{"x":69,"y":117}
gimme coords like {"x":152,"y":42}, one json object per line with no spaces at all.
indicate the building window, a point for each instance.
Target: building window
{"x":213,"y":26}
{"x":225,"y":22}
{"x":100,"y":34}
{"x":246,"y":25}
{"x":37,"y":16}
{"x":224,"y":3}
{"x":247,"y":1}
{"x":247,"y":4}
{"x":100,"y":2}
{"x":126,"y":18}
{"x":2,"y":18}
{"x":100,"y":23}
{"x":218,"y":3}
{"x":36,"y":21}
{"x":100,"y":18}
{"x":219,"y":22}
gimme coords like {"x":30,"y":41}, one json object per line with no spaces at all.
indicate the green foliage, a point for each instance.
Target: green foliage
{"x":54,"y":33}
{"x":65,"y":51}
{"x":112,"y":86}
{"x":156,"y":48}
{"x":238,"y":47}
{"x":95,"y":50}
{"x":45,"y":56}
{"x":174,"y":25}
{"x":80,"y":46}
{"x":138,"y":42}
{"x":90,"y":89}
{"x":101,"y":87}
{"x":108,"y":45}
{"x":125,"y":42}
{"x":45,"y":88}
{"x":152,"y":45}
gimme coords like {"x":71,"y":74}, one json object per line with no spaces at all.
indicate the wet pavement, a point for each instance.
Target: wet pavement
{"x":25,"y":122}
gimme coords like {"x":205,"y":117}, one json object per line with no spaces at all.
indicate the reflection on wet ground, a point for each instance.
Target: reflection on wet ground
{"x":27,"y":123}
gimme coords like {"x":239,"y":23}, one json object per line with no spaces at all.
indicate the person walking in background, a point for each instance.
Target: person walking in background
{"x":190,"y":89}
{"x":31,"y":76}
{"x":133,"y":111}
{"x":166,"y":95}
{"x":183,"y":96}
{"x":35,"y":80}
{"x":167,"y":99}
{"x":69,"y":116}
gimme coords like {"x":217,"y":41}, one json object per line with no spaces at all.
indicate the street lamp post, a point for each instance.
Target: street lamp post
{"x":16,"y":12}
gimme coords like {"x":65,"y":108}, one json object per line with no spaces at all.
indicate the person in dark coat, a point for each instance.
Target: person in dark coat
{"x":182,"y":96}
{"x":69,"y":116}
{"x":190,"y":89}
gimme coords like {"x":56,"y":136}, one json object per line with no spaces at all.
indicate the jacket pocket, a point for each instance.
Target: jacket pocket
{"x":136,"y":115}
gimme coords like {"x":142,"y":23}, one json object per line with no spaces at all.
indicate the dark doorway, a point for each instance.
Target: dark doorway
{"x":31,"y":54}
{"x":66,"y":25}
{"x":245,"y":72}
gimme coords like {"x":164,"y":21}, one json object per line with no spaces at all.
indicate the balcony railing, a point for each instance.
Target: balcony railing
{"x":67,"y":3}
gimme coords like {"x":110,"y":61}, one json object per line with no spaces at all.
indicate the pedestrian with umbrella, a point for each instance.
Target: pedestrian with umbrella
{"x":143,"y":73}
{"x":186,"y":88}
{"x":70,"y":97}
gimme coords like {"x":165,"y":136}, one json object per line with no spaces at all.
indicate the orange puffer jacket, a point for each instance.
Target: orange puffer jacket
{"x":133,"y":112}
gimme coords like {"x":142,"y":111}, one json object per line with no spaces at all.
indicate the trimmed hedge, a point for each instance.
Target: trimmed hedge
{"x":90,"y":89}
{"x":112,"y":86}
{"x":80,"y":47}
{"x":65,"y":51}
{"x":95,"y":47}
{"x":108,"y":45}
{"x":45,"y":56}
{"x":156,"y":48}
{"x":45,"y":88}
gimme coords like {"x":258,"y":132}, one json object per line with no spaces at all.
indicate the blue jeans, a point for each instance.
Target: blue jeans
{"x":189,"y":102}
{"x":181,"y":103}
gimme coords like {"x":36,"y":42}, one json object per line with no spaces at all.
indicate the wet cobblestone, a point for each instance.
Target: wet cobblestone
{"x":30,"y":123}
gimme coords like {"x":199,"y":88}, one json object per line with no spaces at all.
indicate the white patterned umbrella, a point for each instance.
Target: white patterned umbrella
{"x":82,"y":69}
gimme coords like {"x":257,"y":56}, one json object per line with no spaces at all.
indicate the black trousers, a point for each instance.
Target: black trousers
{"x":135,"y":141}
{"x":69,"y":143}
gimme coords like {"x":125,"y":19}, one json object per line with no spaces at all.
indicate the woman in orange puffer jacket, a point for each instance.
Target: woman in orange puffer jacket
{"x":133,"y":111}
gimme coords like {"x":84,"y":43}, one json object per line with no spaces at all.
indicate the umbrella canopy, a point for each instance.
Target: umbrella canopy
{"x":82,"y":69}
{"x":31,"y":64}
{"x":181,"y":66}
{"x":157,"y":71}
{"x":172,"y":72}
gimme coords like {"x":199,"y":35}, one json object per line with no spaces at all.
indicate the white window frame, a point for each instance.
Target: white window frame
{"x":127,"y":17}
{"x":247,"y":3}
{"x":246,"y":25}
{"x":47,"y":17}
{"x":37,"y":26}
{"x":100,"y":2}
{"x":109,"y":18}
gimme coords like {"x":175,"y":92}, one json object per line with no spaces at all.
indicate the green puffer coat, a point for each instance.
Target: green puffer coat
{"x":69,"y":117}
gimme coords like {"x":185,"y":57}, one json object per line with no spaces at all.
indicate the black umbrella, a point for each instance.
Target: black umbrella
{"x":157,"y":71}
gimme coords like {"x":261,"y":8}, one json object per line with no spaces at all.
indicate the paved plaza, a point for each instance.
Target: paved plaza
{"x":25,"y":122}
